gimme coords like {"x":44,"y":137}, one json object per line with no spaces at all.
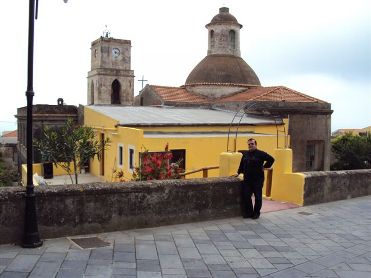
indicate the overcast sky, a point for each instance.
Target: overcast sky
{"x":320,"y":48}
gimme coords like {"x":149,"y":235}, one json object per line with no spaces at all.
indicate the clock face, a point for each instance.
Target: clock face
{"x":115,"y":52}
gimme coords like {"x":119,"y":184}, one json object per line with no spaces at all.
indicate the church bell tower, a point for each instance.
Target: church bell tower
{"x":110,"y":80}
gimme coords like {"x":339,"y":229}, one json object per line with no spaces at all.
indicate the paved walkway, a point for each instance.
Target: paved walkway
{"x":327,"y":240}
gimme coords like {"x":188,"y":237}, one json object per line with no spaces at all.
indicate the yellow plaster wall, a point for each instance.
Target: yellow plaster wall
{"x":201,"y":151}
{"x":287,"y":186}
{"x":126,"y":137}
{"x":37,"y":168}
{"x":204,"y":152}
{"x":95,"y":119}
{"x":102,"y":125}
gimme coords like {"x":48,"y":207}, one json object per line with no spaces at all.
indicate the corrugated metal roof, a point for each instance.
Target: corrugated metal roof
{"x":152,"y":116}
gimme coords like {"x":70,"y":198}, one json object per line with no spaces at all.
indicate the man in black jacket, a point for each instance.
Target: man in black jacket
{"x":252,"y":166}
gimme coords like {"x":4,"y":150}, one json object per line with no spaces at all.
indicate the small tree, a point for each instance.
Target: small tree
{"x":8,"y":173}
{"x":351,"y":152}
{"x":70,"y":144}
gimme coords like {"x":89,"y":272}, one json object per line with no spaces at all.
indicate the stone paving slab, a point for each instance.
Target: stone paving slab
{"x":326,"y":240}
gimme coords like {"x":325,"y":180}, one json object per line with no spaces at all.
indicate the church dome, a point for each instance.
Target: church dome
{"x":223,"y":63}
{"x":223,"y":69}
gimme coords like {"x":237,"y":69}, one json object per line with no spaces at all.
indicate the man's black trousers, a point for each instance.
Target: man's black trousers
{"x":248,"y":188}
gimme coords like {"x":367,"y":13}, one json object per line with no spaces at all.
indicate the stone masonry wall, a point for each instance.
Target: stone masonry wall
{"x":68,"y":210}
{"x":327,"y":186}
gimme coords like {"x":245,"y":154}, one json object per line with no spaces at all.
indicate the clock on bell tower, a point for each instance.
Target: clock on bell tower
{"x":110,"y":80}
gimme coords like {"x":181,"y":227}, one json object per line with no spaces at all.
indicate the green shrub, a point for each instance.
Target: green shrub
{"x":8,"y":174}
{"x":351,"y":152}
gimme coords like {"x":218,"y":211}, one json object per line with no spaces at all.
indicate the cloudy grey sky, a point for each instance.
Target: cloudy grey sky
{"x":320,"y":48}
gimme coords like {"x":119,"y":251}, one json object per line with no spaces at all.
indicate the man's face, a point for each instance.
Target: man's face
{"x":252,"y":145}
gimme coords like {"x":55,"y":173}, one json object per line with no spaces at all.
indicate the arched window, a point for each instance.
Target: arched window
{"x":212,"y":38}
{"x":92,"y":93}
{"x":115,"y":92}
{"x":232,"y":38}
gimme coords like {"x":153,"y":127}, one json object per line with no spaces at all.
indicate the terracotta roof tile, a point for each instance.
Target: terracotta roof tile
{"x":277,"y":93}
{"x":178,"y":94}
{"x":10,"y":133}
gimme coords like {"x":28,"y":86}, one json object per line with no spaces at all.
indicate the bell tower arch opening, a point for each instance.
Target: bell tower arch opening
{"x":115,"y":92}
{"x":92,"y":92}
{"x":232,"y":38}
{"x":212,"y":39}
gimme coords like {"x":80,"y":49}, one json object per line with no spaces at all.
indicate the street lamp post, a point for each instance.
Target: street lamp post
{"x":31,"y":237}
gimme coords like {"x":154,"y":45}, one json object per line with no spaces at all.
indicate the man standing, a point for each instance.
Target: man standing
{"x":252,"y":166}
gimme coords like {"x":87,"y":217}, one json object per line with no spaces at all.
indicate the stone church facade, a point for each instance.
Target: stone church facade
{"x":223,"y":80}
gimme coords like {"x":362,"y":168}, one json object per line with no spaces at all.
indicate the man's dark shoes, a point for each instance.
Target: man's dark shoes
{"x":255,"y":216}
{"x":247,"y":216}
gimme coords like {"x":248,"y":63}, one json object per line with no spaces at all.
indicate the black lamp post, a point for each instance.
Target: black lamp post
{"x":31,"y":237}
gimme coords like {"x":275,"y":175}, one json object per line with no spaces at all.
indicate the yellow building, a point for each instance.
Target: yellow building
{"x":197,"y":136}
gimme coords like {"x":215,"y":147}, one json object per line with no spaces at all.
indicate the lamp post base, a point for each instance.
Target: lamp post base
{"x":32,"y":241}
{"x":31,"y":238}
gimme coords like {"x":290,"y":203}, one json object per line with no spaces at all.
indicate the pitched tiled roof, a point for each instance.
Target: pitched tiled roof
{"x":10,"y":133}
{"x":276,"y":93}
{"x":178,"y":94}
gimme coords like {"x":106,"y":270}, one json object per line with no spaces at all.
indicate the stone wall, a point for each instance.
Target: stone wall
{"x":322,"y":187}
{"x":68,"y":210}
{"x":92,"y":208}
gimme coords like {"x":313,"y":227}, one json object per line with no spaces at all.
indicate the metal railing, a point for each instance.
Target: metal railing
{"x":205,"y":171}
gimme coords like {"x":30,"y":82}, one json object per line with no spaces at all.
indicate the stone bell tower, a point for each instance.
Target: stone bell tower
{"x":110,"y":80}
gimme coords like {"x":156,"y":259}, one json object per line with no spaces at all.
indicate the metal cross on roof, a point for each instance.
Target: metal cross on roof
{"x":142,"y":80}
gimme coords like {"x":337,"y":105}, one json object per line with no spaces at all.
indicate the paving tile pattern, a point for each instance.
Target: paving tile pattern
{"x":326,"y":240}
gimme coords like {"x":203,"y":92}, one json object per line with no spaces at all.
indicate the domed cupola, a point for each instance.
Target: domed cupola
{"x":224,"y":34}
{"x":223,"y":63}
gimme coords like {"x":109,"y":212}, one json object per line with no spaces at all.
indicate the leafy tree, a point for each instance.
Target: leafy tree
{"x":70,"y":144}
{"x":8,"y":173}
{"x":351,"y":152}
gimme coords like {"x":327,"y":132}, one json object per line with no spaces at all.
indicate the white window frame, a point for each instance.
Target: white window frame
{"x":130,"y":147}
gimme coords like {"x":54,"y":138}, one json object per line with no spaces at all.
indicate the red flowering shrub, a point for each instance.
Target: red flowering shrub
{"x":156,"y":166}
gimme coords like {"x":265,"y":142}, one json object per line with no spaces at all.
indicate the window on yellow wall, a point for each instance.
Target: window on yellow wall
{"x":131,"y":158}
{"x":120,"y":155}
